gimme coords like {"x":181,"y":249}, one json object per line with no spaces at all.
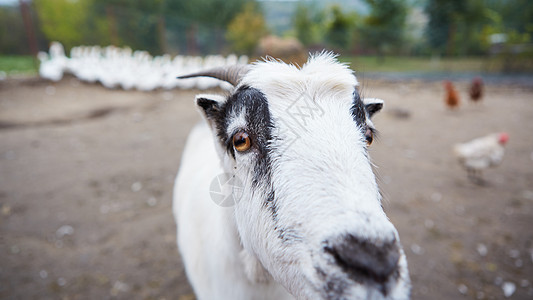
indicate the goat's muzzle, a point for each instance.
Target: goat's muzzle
{"x":367,"y":262}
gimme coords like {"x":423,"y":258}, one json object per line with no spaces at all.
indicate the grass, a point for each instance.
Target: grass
{"x":27,"y":65}
{"x":18,"y":65}
{"x":421,"y":64}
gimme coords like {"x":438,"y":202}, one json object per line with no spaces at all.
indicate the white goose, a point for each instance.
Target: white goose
{"x":121,"y":67}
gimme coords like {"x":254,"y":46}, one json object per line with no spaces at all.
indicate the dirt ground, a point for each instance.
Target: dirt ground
{"x":86,"y":177}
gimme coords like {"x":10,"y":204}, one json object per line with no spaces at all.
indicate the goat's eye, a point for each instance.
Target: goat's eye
{"x":369,"y":137}
{"x":241,"y":141}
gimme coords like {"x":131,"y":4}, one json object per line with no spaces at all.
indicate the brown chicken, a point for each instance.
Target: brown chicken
{"x":452,"y":97}
{"x":476,"y":89}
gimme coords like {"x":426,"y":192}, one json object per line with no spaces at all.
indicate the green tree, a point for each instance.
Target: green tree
{"x":63,"y":20}
{"x":303,"y":24}
{"x":202,"y":23}
{"x":136,"y":24}
{"x":383,"y":29}
{"x":246,"y":29}
{"x":70,"y":22}
{"x":309,"y":23}
{"x":340,"y":27}
{"x":12,"y":35}
{"x":517,"y":15}
{"x":455,"y":25}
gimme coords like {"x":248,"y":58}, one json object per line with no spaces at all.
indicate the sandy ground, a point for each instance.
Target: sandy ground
{"x":86,"y":177}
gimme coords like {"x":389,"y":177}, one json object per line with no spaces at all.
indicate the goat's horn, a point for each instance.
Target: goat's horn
{"x":231,"y":74}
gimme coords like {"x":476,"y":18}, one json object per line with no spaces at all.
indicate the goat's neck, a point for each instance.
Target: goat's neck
{"x":252,"y":267}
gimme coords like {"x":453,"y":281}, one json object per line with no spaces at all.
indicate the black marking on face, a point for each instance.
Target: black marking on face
{"x":365,"y":262}
{"x":360,"y":113}
{"x":358,"y":109}
{"x":333,"y":287}
{"x":286,"y":234}
{"x":254,"y":105}
{"x":270,"y":204}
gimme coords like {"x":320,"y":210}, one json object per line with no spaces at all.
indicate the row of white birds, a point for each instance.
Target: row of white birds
{"x":123,"y":68}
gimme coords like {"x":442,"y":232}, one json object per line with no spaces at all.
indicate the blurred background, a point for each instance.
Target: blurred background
{"x":409,"y":35}
{"x":93,"y":123}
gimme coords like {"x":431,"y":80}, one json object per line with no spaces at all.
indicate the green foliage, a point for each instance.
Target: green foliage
{"x":199,"y":26}
{"x":141,"y":24}
{"x":309,"y":23}
{"x":303,"y":23}
{"x":246,"y":29}
{"x":441,"y":14}
{"x":517,"y":14}
{"x":383,"y":28}
{"x":12,"y":33}
{"x":339,"y":28}
{"x":454,"y":26}
{"x":63,"y":20}
{"x":464,"y":26}
{"x":72,"y":22}
{"x":133,"y":24}
{"x":207,"y":12}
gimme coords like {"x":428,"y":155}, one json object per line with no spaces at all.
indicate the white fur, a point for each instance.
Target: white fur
{"x":324,"y":188}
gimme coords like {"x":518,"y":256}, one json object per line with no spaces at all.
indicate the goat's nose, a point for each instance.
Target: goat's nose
{"x":366,"y":260}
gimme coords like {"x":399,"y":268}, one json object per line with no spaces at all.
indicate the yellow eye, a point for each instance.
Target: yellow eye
{"x":369,"y":137}
{"x":241,"y":141}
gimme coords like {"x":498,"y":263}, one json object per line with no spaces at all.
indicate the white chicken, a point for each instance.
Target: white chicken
{"x":480,"y":154}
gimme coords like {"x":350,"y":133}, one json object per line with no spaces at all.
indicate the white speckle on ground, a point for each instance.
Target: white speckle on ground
{"x":482,"y":249}
{"x":519,"y":263}
{"x":480,"y":295}
{"x":119,"y":287}
{"x":136,"y":187}
{"x":524,"y":283}
{"x":498,"y":280}
{"x":508,"y":289}
{"x":64,"y":230}
{"x":514,"y":253}
{"x":417,"y":249}
{"x":463,"y":289}
{"x":527,"y":194}
{"x":436,"y":197}
{"x":152,"y":201}
{"x":61,"y":281}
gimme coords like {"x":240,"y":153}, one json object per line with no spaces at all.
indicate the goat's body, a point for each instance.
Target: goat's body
{"x":207,"y":238}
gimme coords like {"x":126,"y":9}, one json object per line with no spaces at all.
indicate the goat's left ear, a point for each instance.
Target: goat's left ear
{"x":210,"y":105}
{"x":372,"y":105}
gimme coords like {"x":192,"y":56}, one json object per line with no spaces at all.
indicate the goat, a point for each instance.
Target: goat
{"x":307,"y":220}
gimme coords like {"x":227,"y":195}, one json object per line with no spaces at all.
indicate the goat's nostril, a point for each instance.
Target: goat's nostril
{"x":366,"y":260}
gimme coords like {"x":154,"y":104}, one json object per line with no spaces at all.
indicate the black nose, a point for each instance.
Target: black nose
{"x":364,"y":260}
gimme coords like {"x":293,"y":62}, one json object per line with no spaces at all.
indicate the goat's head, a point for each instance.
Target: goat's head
{"x":311,"y":211}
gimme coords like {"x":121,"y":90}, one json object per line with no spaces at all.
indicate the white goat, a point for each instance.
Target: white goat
{"x":308,"y":221}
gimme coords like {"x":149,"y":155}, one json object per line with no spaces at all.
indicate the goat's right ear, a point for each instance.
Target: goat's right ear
{"x":210,"y":105}
{"x":373,"y":105}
